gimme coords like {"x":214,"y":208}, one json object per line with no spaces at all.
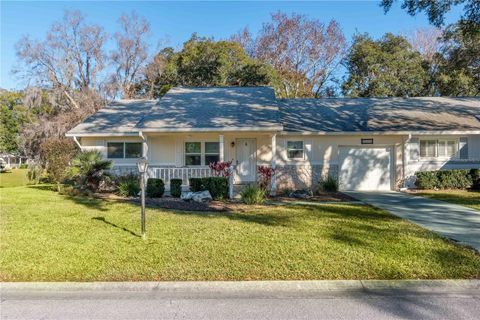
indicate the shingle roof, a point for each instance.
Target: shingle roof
{"x":227,"y":108}
{"x":257,"y":109}
{"x":118,"y":117}
{"x":380,"y":114}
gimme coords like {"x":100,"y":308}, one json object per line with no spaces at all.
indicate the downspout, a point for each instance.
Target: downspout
{"x":144,"y":144}
{"x":404,"y":159}
{"x":77,"y":142}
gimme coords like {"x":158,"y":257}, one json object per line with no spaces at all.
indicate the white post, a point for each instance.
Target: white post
{"x":274,"y":164}
{"x":230,"y":182}
{"x":221,"y":147}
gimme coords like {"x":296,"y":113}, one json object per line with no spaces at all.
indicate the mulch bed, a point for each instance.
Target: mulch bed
{"x":222,"y":206}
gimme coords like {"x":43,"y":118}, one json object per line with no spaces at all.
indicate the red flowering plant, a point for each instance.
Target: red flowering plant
{"x":265,"y":176}
{"x":220,"y":168}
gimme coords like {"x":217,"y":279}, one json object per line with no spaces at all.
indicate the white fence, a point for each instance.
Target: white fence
{"x":169,"y":173}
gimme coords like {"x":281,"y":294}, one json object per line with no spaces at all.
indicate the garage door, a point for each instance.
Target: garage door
{"x":365,"y":169}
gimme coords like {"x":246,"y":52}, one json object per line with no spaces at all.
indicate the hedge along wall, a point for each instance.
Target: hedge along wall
{"x":448,"y":179}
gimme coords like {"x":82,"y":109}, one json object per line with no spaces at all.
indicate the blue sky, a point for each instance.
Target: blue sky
{"x":173,"y":22}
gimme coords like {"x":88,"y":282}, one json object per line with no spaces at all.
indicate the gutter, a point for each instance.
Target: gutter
{"x":366,"y":133}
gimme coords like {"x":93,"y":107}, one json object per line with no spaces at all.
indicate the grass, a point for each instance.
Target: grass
{"x":14,"y":178}
{"x":50,"y":237}
{"x":462,"y":197}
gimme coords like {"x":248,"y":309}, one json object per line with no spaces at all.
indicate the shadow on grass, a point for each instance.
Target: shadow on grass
{"x":266,"y":219}
{"x":90,"y":203}
{"x":43,"y":187}
{"x":102,"y":219}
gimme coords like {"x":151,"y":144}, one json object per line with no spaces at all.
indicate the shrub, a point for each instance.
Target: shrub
{"x":454,"y":179}
{"x":217,"y":186}
{"x":475,"y":174}
{"x":155,"y":188}
{"x":265,"y":176}
{"x":253,"y":194}
{"x":35,"y":173}
{"x":445,"y":179}
{"x":23,"y":166}
{"x":220,"y":169}
{"x":128,"y":185}
{"x":426,"y":180}
{"x":88,"y":170}
{"x":176,"y":187}
{"x":56,"y":154}
{"x":329,"y":184}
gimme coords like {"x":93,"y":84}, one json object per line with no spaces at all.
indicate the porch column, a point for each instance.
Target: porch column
{"x":274,"y":164}
{"x":221,"y":147}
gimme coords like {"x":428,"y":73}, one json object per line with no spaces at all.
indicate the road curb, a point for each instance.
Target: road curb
{"x":250,"y":287}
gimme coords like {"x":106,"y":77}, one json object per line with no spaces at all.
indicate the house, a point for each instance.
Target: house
{"x":367,"y":143}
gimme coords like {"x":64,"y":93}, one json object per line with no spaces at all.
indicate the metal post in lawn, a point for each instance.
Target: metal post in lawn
{"x":142,"y":168}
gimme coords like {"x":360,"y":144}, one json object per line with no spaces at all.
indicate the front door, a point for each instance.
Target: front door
{"x":246,"y":168}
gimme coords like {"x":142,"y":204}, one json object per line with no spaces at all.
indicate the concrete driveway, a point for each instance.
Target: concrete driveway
{"x":456,"y":222}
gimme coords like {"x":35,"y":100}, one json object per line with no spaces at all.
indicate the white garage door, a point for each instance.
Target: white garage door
{"x":365,"y":169}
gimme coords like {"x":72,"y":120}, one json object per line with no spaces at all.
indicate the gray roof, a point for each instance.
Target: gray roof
{"x":118,"y":117}
{"x":217,"y":108}
{"x":256,"y":109}
{"x":380,"y":114}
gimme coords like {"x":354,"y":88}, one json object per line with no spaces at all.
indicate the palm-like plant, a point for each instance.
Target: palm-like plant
{"x":89,"y":169}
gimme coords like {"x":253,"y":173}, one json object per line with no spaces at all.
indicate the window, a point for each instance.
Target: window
{"x":193,"y":153}
{"x":295,"y":149}
{"x":124,"y":150}
{"x":201,"y":153}
{"x":115,"y":150}
{"x":212,"y":152}
{"x":438,"y":148}
{"x":133,"y":150}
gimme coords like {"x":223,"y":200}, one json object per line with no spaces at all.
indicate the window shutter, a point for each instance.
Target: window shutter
{"x":463,"y":147}
{"x":414,"y":147}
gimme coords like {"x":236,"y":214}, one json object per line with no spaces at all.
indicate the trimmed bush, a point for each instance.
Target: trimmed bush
{"x":329,"y":184}
{"x":445,"y":179}
{"x":475,"y":174}
{"x":128,"y":185}
{"x":426,"y":180}
{"x":176,"y":188}
{"x":253,"y":194}
{"x":217,"y":186}
{"x":155,"y":188}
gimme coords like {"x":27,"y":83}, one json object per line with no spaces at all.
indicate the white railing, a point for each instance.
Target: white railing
{"x":184,"y":173}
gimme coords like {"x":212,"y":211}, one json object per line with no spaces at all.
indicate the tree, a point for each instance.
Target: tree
{"x":459,"y":62}
{"x":426,"y":41}
{"x":131,"y":52}
{"x":55,"y":155}
{"x":202,"y":62}
{"x":13,"y":115}
{"x":69,"y":60}
{"x":305,"y":53}
{"x":388,"y":67}
{"x":437,"y":9}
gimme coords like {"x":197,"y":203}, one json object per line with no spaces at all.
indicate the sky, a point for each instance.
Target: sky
{"x":173,"y":22}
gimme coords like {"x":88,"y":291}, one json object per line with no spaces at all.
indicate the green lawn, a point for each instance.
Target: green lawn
{"x":49,"y":237}
{"x":13,"y":178}
{"x":462,"y":197}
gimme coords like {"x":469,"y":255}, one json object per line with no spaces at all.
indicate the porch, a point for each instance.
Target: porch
{"x":185,"y":156}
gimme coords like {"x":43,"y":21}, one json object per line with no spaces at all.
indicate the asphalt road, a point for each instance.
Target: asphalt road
{"x":349,"y":302}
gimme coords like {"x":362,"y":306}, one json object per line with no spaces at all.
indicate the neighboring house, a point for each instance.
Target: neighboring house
{"x":11,"y":160}
{"x":367,"y":143}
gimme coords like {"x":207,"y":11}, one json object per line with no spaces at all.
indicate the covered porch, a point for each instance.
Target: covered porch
{"x":188,"y":155}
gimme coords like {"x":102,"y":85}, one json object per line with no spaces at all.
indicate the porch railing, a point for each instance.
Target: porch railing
{"x":184,"y":173}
